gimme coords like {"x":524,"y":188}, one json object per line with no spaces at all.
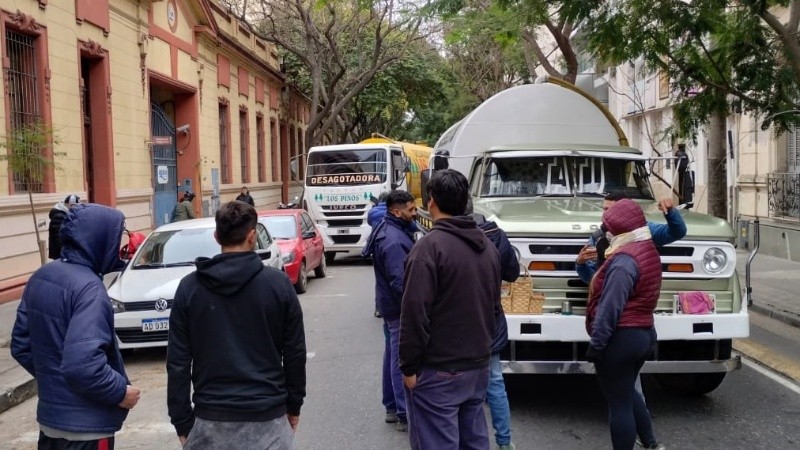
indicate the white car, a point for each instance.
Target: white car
{"x":141,"y":295}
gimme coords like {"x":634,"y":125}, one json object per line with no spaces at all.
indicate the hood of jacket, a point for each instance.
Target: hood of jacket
{"x":91,"y":236}
{"x":377,"y":232}
{"x":228,"y":273}
{"x":465,"y":228}
{"x":625,"y":216}
{"x":59,"y":207}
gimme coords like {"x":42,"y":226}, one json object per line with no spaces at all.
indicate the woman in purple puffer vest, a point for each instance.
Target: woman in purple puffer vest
{"x":619,"y":319}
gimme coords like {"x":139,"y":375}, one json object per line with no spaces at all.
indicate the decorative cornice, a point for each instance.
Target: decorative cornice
{"x":25,"y":22}
{"x":92,"y":48}
{"x":243,"y":108}
{"x":224,"y":101}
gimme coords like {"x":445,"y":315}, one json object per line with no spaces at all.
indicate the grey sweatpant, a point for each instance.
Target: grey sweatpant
{"x":211,"y":435}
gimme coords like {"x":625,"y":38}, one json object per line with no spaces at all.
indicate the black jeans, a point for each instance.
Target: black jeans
{"x":48,"y":443}
{"x":623,"y":357}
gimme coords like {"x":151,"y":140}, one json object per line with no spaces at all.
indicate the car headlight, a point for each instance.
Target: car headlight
{"x":289,"y":257}
{"x":117,"y":306}
{"x":714,"y":260}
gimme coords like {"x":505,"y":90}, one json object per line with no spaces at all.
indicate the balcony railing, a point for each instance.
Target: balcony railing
{"x":783,"y":190}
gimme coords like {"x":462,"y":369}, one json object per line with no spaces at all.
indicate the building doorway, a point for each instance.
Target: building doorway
{"x":165,"y":165}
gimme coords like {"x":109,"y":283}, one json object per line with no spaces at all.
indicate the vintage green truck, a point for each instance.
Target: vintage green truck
{"x":539,"y":159}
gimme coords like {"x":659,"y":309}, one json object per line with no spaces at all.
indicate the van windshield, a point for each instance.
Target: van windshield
{"x":565,"y":176}
{"x":346,"y":167}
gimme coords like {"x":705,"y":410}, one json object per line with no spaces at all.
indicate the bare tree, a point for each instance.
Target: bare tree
{"x":339,"y":45}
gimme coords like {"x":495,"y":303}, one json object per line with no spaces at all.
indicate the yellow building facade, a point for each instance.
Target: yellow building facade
{"x":146,"y":100}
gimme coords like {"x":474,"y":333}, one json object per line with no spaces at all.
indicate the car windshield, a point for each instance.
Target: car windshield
{"x":176,"y":248}
{"x":281,"y":227}
{"x":346,"y":167}
{"x":564,"y":176}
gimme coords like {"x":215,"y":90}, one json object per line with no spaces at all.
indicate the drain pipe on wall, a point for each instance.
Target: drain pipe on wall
{"x":747,"y":285}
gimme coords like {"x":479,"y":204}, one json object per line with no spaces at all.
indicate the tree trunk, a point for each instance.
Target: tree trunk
{"x":717,"y":168}
{"x":39,"y":242}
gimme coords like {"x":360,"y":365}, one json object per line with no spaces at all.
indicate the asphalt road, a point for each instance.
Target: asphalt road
{"x":343,"y":409}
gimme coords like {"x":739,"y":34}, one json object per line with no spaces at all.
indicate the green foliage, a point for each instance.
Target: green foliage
{"x":25,"y":146}
{"x":715,"y":52}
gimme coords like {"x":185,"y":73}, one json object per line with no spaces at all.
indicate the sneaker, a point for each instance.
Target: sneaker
{"x":510,"y":446}
{"x":391,"y":417}
{"x":402,"y":426}
{"x":656,"y":446}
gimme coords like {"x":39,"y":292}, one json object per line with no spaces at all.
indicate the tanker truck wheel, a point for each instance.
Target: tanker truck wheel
{"x":690,"y":384}
{"x":329,"y":257}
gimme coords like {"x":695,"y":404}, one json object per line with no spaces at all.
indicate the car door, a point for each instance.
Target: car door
{"x":315,"y":245}
{"x":264,"y":242}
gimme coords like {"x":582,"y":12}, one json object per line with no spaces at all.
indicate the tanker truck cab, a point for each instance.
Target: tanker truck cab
{"x":340,"y":182}
{"x":539,"y":160}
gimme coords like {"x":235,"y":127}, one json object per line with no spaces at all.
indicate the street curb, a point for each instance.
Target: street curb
{"x":786,"y":318}
{"x":17,"y":394}
{"x":765,"y":357}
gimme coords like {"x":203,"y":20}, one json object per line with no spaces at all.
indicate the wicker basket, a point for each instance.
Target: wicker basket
{"x":518,"y":297}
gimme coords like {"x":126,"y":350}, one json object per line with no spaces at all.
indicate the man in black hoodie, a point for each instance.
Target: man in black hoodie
{"x":236,"y":336}
{"x":451,"y":303}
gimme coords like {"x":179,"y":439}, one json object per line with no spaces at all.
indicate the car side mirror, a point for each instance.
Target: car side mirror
{"x":309,"y":234}
{"x":264,"y":254}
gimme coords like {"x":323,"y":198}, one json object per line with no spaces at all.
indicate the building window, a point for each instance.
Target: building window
{"x":24,"y":103}
{"x":260,"y":150}
{"x":244,"y":145}
{"x":274,"y":150}
{"x":224,"y":145}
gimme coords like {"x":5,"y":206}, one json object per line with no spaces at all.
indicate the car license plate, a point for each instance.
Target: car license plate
{"x":343,"y":231}
{"x":155,"y":324}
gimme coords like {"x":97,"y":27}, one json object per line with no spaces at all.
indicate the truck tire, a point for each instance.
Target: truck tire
{"x":690,"y":384}
{"x":329,"y":257}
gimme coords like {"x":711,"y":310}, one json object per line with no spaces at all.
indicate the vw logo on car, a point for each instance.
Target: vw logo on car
{"x":161,"y":305}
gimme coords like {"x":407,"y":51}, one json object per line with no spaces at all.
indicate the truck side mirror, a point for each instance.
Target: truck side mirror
{"x":294,"y":169}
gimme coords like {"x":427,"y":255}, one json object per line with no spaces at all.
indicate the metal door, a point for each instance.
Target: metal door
{"x":165,"y":173}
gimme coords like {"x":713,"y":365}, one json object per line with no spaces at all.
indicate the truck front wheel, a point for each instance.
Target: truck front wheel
{"x":690,"y":384}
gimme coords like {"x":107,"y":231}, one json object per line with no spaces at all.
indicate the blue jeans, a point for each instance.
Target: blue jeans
{"x":395,"y":375}
{"x":498,"y":403}
{"x":446,"y":410}
{"x":388,"y":391}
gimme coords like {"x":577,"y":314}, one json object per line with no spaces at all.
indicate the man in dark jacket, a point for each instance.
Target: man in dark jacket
{"x":57,"y":216}
{"x":64,"y":336}
{"x":389,"y":246}
{"x":245,"y":196}
{"x":496,"y":395}
{"x":451,"y":303}
{"x":236,"y":337}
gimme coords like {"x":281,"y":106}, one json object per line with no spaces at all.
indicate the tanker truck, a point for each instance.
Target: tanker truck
{"x":341,"y":180}
{"x":539,"y":159}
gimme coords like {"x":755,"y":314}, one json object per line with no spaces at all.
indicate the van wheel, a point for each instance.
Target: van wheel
{"x":302,"y":280}
{"x":690,"y":384}
{"x":319,"y":272}
{"x":329,"y":256}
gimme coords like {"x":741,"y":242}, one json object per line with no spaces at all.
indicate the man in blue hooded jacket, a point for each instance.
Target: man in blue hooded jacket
{"x":64,"y":336}
{"x":390,"y":243}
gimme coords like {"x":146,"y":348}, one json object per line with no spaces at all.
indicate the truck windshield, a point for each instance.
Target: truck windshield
{"x":564,"y":176}
{"x":346,"y":167}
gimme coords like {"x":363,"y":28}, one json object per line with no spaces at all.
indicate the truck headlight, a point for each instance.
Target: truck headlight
{"x":714,"y":260}
{"x":117,"y":306}
{"x":289,"y":257}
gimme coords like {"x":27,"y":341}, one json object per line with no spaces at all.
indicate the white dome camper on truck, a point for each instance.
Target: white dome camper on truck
{"x":539,"y":159}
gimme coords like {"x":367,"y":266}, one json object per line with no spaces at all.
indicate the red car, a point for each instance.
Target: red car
{"x":300,"y":242}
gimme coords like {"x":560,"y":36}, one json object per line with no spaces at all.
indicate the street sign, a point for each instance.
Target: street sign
{"x":162,"y":140}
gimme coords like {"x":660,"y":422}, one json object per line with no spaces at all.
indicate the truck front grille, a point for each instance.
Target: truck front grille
{"x":351,"y":239}
{"x":345,"y":223}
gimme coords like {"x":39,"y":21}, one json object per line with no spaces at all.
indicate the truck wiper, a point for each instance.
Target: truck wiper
{"x":180,"y":264}
{"x":149,"y":266}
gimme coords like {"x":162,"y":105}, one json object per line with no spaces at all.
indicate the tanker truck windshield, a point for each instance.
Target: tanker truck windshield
{"x":346,"y":167}
{"x":564,"y":176}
